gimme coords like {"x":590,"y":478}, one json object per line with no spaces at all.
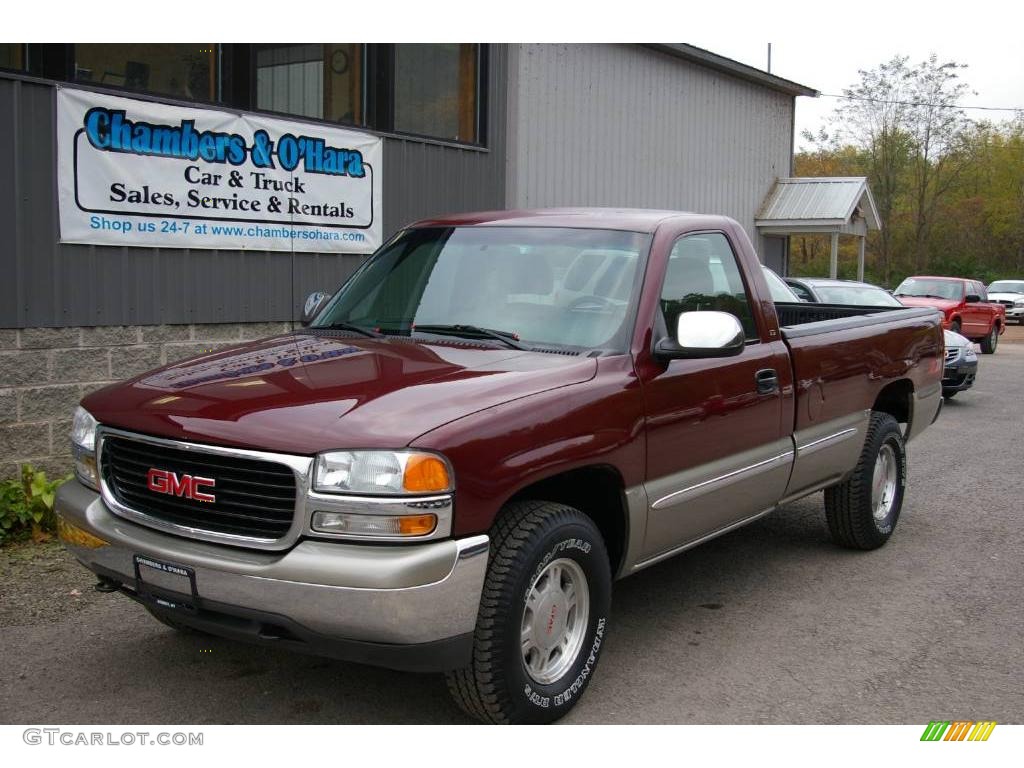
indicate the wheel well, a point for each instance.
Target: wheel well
{"x":895,"y":399}
{"x":598,"y":492}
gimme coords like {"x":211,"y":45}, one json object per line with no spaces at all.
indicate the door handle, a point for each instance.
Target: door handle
{"x":767,"y":381}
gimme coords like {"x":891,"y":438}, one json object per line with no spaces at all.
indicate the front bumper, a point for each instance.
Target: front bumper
{"x":960,"y":376}
{"x":408,"y":607}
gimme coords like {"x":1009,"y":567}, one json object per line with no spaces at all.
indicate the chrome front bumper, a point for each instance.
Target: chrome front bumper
{"x":415,"y":595}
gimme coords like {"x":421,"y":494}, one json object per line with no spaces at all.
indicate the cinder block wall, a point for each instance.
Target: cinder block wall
{"x":44,"y":372}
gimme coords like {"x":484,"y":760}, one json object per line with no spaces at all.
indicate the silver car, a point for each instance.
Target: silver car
{"x":961,"y":366}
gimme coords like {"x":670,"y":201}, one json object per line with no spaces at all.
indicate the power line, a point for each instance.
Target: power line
{"x":919,"y":103}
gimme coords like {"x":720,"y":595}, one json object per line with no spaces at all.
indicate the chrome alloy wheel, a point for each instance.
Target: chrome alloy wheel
{"x":555,"y":620}
{"x":883,"y":483}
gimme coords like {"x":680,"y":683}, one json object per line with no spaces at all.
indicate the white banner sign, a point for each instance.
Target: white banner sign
{"x":138,"y":173}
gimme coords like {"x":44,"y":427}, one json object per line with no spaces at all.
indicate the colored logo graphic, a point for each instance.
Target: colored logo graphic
{"x":958,"y":730}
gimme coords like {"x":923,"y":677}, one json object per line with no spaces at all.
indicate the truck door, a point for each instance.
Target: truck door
{"x":717,"y":453}
{"x":977,"y":314}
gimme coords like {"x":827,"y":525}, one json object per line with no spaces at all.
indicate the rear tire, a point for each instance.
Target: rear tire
{"x":543,"y":617}
{"x":862,"y":512}
{"x":955,"y":326}
{"x":990,"y":342}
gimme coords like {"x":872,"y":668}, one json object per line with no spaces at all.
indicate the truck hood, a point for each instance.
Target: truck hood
{"x":922,"y":301}
{"x":303,"y":393}
{"x":1006,"y":296}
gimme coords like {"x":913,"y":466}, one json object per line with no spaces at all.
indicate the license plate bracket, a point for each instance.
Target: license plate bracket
{"x":167,"y":585}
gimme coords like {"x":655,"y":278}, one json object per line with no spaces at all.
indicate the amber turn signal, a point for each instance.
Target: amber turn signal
{"x":416,"y":525}
{"x":425,"y":474}
{"x":374,"y":525}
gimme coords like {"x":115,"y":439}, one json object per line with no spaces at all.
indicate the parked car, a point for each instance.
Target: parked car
{"x":447,"y":469}
{"x":823,"y":290}
{"x":961,"y":366}
{"x":964,"y":304}
{"x":781,"y":293}
{"x":1009,"y":293}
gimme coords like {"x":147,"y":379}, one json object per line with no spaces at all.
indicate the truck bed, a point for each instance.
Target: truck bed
{"x":806,"y":319}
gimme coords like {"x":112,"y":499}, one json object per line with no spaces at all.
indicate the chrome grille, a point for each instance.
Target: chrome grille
{"x":952,"y":354}
{"x":253,"y":498}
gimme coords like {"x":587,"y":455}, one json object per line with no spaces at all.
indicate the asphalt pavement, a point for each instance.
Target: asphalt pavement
{"x":769,"y":624}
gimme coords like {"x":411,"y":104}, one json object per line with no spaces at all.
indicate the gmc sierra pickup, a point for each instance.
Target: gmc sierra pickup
{"x":494,"y":418}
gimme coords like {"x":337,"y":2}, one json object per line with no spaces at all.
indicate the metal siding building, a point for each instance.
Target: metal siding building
{"x":644,"y":127}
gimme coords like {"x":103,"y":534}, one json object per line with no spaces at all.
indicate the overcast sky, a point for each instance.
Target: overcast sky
{"x":824,"y":50}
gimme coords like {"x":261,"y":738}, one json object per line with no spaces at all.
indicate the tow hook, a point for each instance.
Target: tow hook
{"x":107,"y":585}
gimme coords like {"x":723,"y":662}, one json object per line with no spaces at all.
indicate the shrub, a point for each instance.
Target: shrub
{"x":26,"y":505}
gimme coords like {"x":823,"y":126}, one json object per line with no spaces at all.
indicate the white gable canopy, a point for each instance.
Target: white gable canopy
{"x":839,"y":205}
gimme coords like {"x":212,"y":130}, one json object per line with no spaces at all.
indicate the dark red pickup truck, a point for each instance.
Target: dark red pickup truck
{"x":494,"y":418}
{"x":964,"y":305}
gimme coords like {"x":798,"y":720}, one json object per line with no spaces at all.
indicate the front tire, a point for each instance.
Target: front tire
{"x":990,"y":342}
{"x":543,"y":617}
{"x":949,"y":394}
{"x":862,"y":512}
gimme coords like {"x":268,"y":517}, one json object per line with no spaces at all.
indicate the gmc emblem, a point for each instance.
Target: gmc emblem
{"x":189,"y":486}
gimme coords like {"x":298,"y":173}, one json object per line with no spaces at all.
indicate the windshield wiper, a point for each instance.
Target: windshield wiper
{"x":505,"y":337}
{"x":352,"y":327}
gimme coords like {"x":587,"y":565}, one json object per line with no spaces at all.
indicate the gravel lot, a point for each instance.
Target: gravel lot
{"x":769,"y":624}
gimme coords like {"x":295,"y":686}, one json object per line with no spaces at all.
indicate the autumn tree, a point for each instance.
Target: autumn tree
{"x":905,"y":122}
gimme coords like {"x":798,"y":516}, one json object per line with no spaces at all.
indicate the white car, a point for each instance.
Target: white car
{"x":1009,"y":293}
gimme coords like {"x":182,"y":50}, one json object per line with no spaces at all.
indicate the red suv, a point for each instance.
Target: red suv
{"x":964,"y":304}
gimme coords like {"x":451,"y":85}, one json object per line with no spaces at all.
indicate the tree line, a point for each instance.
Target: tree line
{"x":949,"y":190}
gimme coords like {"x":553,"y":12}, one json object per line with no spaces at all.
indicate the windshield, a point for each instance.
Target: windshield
{"x":517,"y":286}
{"x":931,"y":289}
{"x":860,"y":295}
{"x":1007,"y":286}
{"x":778,"y":288}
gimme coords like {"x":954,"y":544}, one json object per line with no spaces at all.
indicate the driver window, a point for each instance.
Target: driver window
{"x":703,"y":274}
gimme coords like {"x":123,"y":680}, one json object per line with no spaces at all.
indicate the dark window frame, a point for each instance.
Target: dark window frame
{"x":236,"y":87}
{"x":385,"y":97}
{"x":23,"y":69}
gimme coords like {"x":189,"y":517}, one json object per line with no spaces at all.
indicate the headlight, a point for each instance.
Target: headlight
{"x":1018,"y":303}
{"x":83,"y":447}
{"x":969,"y":353}
{"x":388,"y":473}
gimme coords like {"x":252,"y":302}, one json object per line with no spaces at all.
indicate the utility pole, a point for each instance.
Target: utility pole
{"x":769,"y":57}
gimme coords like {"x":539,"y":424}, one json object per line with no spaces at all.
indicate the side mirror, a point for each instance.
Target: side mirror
{"x":314,"y":303}
{"x":973,"y":298}
{"x":703,"y":334}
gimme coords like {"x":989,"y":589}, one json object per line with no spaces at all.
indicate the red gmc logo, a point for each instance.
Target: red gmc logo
{"x":189,"y":486}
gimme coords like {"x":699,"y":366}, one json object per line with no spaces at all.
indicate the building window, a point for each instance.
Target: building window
{"x":319,"y":81}
{"x":183,"y":70}
{"x":436,"y":90}
{"x":12,"y":56}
